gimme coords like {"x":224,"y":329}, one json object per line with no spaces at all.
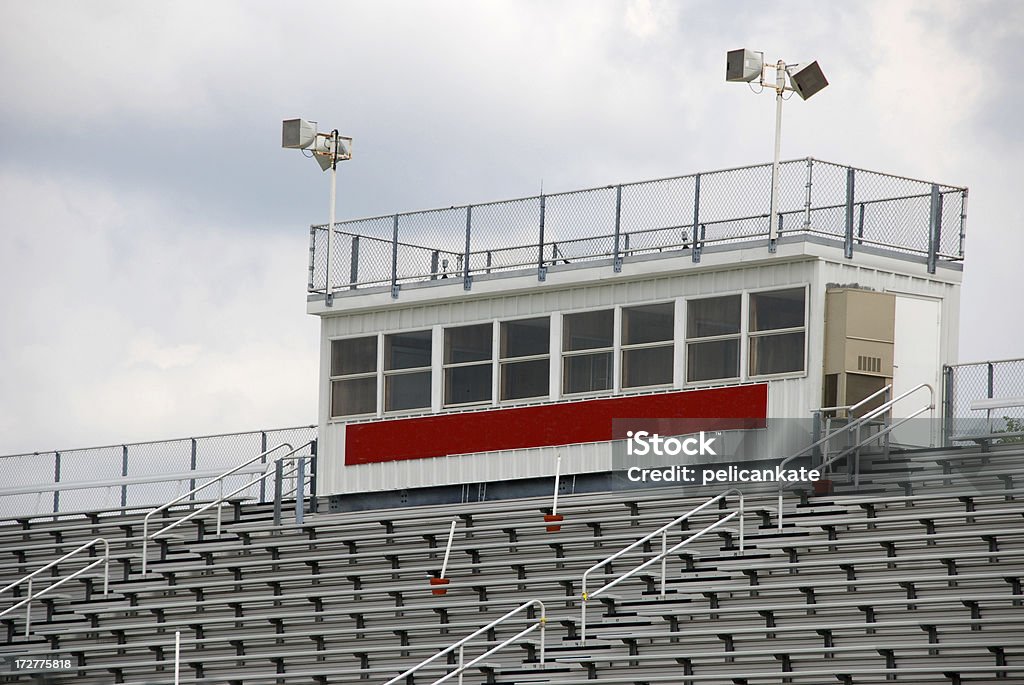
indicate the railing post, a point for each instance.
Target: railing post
{"x":192,"y":467}
{"x":124,"y":474}
{"x":807,"y":195}
{"x":56,"y":479}
{"x":542,"y":271}
{"x":353,"y":265}
{"x":816,"y":434}
{"x":467,"y":278}
{"x":698,"y":239}
{"x":947,"y":404}
{"x":433,"y":265}
{"x":860,"y":224}
{"x":934,"y":228}
{"x":263,"y":482}
{"x":617,"y":256}
{"x":394,"y":259}
{"x":848,"y":240}
{"x":963,"y":220}
{"x":312,"y":476}
{"x":300,"y":490}
{"x":312,"y":255}
{"x":278,"y":476}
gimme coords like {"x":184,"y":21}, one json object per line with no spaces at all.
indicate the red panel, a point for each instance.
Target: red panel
{"x":552,"y":424}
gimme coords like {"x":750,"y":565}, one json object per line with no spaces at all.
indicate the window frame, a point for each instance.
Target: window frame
{"x":611,"y":350}
{"x":623,"y":348}
{"x":445,"y":366}
{"x":502,"y":362}
{"x":749,"y":335}
{"x":332,"y":378}
{"x":738,"y":336}
{"x":382,"y":388}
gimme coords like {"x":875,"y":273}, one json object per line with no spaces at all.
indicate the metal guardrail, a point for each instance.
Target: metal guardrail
{"x":131,"y":475}
{"x":681,"y":214}
{"x":965,"y":384}
{"x":662,"y":556}
{"x":218,"y":502}
{"x":27,"y":602}
{"x":460,"y":645}
{"x":853,"y":428}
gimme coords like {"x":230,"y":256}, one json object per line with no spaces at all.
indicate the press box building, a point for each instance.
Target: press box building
{"x":464,"y":348}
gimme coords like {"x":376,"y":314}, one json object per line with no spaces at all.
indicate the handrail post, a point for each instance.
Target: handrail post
{"x":664,"y":560}
{"x":934,"y":227}
{"x":848,"y":240}
{"x":394,"y":259}
{"x":617,"y":257}
{"x":467,"y":276}
{"x":542,"y":271}
{"x":192,"y":467}
{"x":462,"y":661}
{"x":28,"y":609}
{"x":698,"y":230}
{"x":278,"y":477}
{"x":300,"y":490}
{"x":124,"y":474}
{"x":56,"y":479}
{"x":807,"y":200}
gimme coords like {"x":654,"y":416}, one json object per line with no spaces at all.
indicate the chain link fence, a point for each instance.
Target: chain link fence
{"x":966,"y":384}
{"x":855,"y":207}
{"x":140,"y":474}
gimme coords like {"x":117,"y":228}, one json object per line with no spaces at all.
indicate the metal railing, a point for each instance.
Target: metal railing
{"x":219,"y":502}
{"x":460,"y":645}
{"x":965,"y":384}
{"x":853,"y":428}
{"x":27,"y":602}
{"x":661,"y":556}
{"x":131,"y":475}
{"x":680,"y":215}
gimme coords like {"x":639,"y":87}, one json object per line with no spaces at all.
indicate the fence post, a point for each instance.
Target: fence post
{"x":433,"y":265}
{"x":312,"y":255}
{"x":848,"y":241}
{"x":467,"y":279}
{"x":394,"y":260}
{"x":278,"y":476}
{"x":934,"y":228}
{"x":353,"y":265}
{"x":124,"y":474}
{"x":697,"y":239}
{"x":947,"y":404}
{"x":991,"y":378}
{"x":963,"y":220}
{"x":617,"y":257}
{"x":56,"y":479}
{"x":542,"y":271}
{"x":300,"y":489}
{"x":263,"y":481}
{"x":860,"y":224}
{"x":807,"y":196}
{"x":192,"y":482}
{"x":312,"y":477}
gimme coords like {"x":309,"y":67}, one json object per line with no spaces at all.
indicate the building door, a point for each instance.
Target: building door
{"x":916,"y":360}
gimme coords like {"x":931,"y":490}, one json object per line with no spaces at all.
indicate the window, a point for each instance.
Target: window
{"x":467,"y":364}
{"x":776,"y":325}
{"x":525,"y":358}
{"x":354,"y":376}
{"x":587,"y":340}
{"x":647,"y":345}
{"x":407,"y":371}
{"x":713,"y":338}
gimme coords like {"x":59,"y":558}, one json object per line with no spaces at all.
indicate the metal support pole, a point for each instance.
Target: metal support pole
{"x":664,"y":559}
{"x":433,"y":265}
{"x":848,"y":234}
{"x":278,"y":477}
{"x":963,"y":220}
{"x":394,"y":259}
{"x":312,"y":476}
{"x":192,"y":467}
{"x":558,"y":475}
{"x":807,"y":195}
{"x":300,"y":490}
{"x":353,"y":264}
{"x":329,"y":297}
{"x":697,"y":238}
{"x":448,"y":549}
{"x":312,"y":255}
{"x":542,"y":271}
{"x":947,"y":404}
{"x":467,"y":278}
{"x":263,"y":481}
{"x":934,"y":228}
{"x":780,"y":84}
{"x":56,"y":479}
{"x":177,"y":656}
{"x":617,"y":256}
{"x":124,"y":474}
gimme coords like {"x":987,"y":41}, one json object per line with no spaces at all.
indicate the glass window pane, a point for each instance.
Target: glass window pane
{"x":407,"y":391}
{"x":354,"y":396}
{"x":354,"y":355}
{"x":587,"y":372}
{"x":712,"y":360}
{"x":713,"y":316}
{"x":407,"y":350}
{"x":647,"y":366}
{"x":464,"y":384}
{"x":467,"y":344}
{"x":525,"y":338}
{"x":587,"y":330}
{"x":520,"y":380}
{"x":652,"y":323}
{"x":776,"y":353}
{"x":777,"y":309}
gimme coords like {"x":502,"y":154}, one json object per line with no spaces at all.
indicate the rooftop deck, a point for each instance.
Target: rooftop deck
{"x":677,"y":216}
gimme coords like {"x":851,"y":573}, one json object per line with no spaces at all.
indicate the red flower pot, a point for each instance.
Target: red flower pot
{"x":553,"y":518}
{"x":437,"y":586}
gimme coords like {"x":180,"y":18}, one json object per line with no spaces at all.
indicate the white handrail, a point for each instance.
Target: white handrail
{"x":460,"y":644}
{"x":857,"y":424}
{"x":27,"y":602}
{"x":221,"y":497}
{"x":662,"y":556}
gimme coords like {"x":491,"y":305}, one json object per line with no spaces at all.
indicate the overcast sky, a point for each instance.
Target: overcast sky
{"x":155,"y":236}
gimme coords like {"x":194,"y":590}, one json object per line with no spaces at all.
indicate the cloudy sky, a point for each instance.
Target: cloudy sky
{"x":155,"y":236}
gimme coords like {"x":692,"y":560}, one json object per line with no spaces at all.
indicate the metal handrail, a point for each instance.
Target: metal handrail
{"x":463,"y":665}
{"x":662,"y":556}
{"x":27,"y":602}
{"x":857,"y":424}
{"x":219,"y":480}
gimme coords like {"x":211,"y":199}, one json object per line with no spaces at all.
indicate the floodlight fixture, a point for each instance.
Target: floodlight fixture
{"x":327,"y":149}
{"x":804,"y":80}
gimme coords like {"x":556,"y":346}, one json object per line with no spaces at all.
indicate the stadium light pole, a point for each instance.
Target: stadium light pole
{"x":805,"y":80}
{"x":327,"y":149}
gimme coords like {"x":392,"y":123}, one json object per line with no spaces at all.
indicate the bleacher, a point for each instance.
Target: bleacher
{"x":914,"y":576}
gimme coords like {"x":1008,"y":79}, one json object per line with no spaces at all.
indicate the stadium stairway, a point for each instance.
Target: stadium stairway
{"x":912,"y":576}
